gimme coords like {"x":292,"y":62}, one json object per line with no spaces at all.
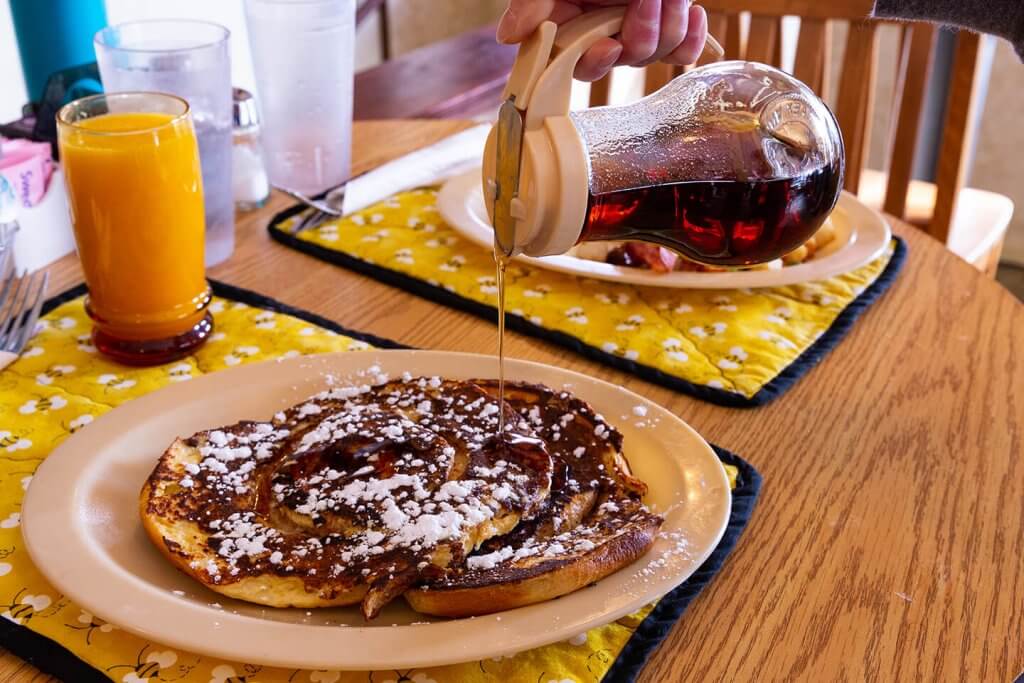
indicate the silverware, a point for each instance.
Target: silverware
{"x":8,"y":231}
{"x":426,"y":166}
{"x":21,"y":299}
{"x":6,"y":252}
{"x":6,"y":258}
{"x":328,"y":207}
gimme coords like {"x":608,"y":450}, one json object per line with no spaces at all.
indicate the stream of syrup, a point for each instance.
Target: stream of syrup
{"x":501,"y":261}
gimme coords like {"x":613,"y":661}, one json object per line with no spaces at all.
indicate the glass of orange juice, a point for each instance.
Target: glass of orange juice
{"x":135,"y":190}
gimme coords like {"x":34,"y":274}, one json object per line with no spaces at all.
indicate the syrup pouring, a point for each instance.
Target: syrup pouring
{"x":731,"y":164}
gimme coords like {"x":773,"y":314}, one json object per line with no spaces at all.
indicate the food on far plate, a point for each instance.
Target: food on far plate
{"x":364,"y":494}
{"x":656,"y":258}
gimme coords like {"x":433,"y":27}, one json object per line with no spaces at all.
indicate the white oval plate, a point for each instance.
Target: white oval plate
{"x":81,"y":524}
{"x":862,"y":234}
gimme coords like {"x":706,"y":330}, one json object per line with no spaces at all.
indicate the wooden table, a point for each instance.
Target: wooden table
{"x":889,"y":538}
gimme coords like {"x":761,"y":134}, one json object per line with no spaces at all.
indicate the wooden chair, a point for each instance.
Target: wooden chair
{"x":370,"y":9}
{"x":460,"y":77}
{"x":971,"y":222}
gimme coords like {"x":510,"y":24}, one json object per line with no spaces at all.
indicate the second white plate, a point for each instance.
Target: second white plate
{"x":862,"y":235}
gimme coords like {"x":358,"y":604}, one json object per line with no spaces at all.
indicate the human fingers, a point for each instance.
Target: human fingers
{"x":522,"y":17}
{"x":598,"y":60}
{"x":690,"y":49}
{"x":674,"y":21}
{"x":641,"y":28}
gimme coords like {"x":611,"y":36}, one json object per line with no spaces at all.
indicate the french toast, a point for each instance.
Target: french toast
{"x":593,"y":523}
{"x":365,"y":493}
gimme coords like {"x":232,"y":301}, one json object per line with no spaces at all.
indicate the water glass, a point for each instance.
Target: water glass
{"x":135,"y":191}
{"x":189,"y":59}
{"x":302,"y":53}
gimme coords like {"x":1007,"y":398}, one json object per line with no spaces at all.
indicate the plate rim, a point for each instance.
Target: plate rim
{"x":870,"y":236}
{"x":39,"y":516}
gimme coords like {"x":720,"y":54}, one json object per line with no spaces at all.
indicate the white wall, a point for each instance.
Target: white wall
{"x":229,"y":13}
{"x":226,"y":12}
{"x":12,"y":85}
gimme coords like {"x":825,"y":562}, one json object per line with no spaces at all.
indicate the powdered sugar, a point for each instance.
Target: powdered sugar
{"x":490,"y":560}
{"x":365,"y":476}
{"x":400,"y":493}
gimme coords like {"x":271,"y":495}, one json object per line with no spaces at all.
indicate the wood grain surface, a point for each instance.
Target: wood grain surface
{"x":888,"y":542}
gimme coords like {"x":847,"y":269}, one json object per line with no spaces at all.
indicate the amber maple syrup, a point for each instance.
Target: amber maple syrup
{"x":718,"y":222}
{"x":501,"y":261}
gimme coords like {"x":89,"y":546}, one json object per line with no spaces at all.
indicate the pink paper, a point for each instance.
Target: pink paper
{"x":27,"y":166}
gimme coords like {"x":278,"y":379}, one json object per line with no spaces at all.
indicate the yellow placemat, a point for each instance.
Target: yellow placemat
{"x":735,"y":347}
{"x":60,"y":384}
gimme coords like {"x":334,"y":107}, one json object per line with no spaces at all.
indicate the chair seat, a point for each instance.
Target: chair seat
{"x":979,"y":222}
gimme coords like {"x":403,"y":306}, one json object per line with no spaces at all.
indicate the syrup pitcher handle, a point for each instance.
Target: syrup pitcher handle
{"x":541,"y":78}
{"x":550,"y":179}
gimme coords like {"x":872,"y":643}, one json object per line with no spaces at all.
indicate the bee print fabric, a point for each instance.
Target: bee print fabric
{"x":737,"y":347}
{"x":61,"y":384}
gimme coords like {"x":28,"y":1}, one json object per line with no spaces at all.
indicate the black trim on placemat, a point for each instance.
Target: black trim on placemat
{"x":657,"y":625}
{"x":246,"y":296}
{"x":53,"y":658}
{"x":62,"y":298}
{"x":770,"y":391}
{"x":47,"y":655}
{"x":251,"y":298}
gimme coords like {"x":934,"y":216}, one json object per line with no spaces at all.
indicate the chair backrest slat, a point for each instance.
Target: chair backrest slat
{"x":761,"y":38}
{"x":961,"y":110}
{"x":814,"y":54}
{"x":916,"y":54}
{"x":856,"y":97}
{"x":718,"y":27}
{"x":734,"y":45}
{"x":657,"y":75}
{"x":816,"y":9}
{"x":599,"y":91}
{"x":777,"y":52}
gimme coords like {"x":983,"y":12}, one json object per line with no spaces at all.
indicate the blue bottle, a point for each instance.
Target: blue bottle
{"x":54,"y":35}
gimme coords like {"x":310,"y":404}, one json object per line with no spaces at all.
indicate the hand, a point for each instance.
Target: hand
{"x":653,"y":31}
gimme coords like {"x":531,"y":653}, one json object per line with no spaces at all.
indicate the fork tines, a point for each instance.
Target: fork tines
{"x":21,"y":299}
{"x":6,"y":249}
{"x":312,"y":219}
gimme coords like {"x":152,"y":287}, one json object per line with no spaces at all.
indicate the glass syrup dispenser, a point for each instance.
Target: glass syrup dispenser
{"x":730,"y":164}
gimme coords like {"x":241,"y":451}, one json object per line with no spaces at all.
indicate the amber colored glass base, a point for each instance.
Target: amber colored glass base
{"x":153,"y":351}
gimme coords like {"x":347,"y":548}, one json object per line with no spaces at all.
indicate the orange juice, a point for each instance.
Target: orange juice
{"x":136,"y":199}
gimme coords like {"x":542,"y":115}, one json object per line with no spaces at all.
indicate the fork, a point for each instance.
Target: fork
{"x":21,"y":299}
{"x":328,"y":207}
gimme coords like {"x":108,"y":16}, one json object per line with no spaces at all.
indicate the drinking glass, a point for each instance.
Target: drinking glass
{"x":302,"y":52}
{"x":189,"y":59}
{"x":135,"y":191}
